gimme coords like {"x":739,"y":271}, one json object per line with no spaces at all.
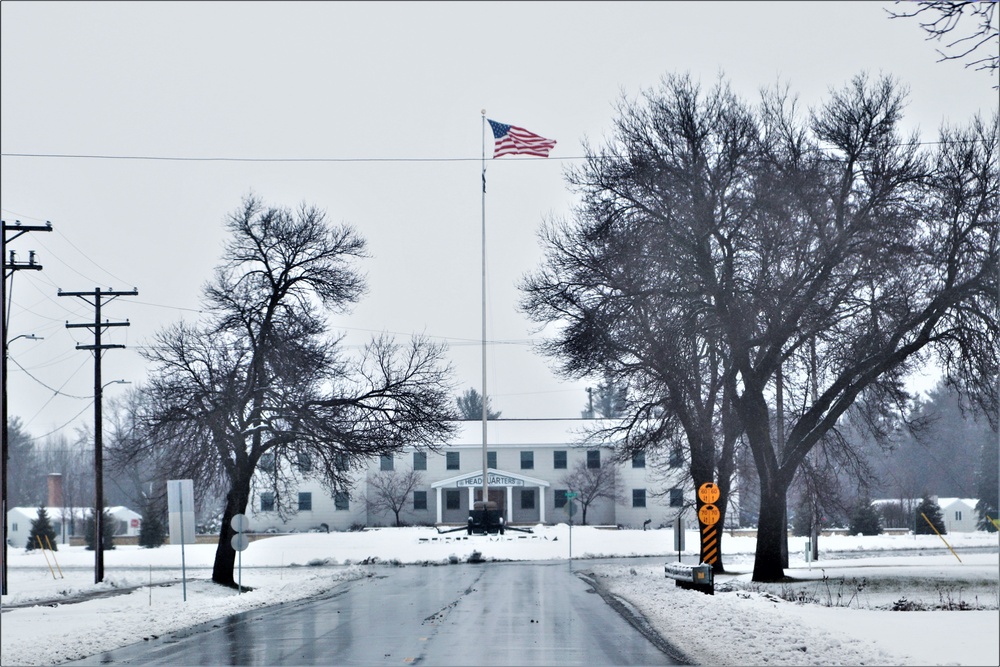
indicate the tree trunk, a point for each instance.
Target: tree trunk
{"x":770,"y":534}
{"x":225,"y":556}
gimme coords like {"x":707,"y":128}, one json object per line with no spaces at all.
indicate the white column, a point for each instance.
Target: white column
{"x":472,"y":497}
{"x":510,"y":504}
{"x":439,"y":505}
{"x":541,"y":504}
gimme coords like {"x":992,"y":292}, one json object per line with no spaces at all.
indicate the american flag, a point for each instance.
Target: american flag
{"x":513,"y":140}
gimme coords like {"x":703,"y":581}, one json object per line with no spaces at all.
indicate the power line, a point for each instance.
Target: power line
{"x":222,"y":158}
{"x":55,"y":392}
{"x":184,"y":158}
{"x":56,"y":430}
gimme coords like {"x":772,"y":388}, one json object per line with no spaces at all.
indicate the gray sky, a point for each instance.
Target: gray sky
{"x":361,"y":81}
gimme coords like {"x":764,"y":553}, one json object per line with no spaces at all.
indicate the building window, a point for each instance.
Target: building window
{"x":267,"y":462}
{"x":593,"y":458}
{"x":452,"y":499}
{"x":266,"y":502}
{"x":527,"y":460}
{"x":420,"y":460}
{"x":341,"y":500}
{"x":419,"y":500}
{"x":638,"y":497}
{"x":559,"y":459}
{"x":676,"y":457}
{"x":491,"y":460}
{"x":958,"y":516}
{"x":527,"y":499}
{"x":639,"y":460}
{"x":676,"y":497}
{"x":451,"y":461}
{"x":304,"y":462}
{"x":305,"y":501}
{"x":560,"y":497}
{"x":340,"y":461}
{"x":14,"y":525}
{"x":385,"y":462}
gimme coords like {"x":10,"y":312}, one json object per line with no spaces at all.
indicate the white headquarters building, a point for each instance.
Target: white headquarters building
{"x":527,"y":461}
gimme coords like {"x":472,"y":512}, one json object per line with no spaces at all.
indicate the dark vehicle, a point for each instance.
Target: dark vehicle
{"x":485,"y":519}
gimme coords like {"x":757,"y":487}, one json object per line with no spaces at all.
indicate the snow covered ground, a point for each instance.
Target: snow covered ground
{"x":835,"y":611}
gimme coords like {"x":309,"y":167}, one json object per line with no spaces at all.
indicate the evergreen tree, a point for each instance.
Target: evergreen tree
{"x":607,"y":401}
{"x":107,"y":529}
{"x":41,"y":529}
{"x":929,"y":508}
{"x":470,"y":406}
{"x":865,"y":520}
{"x":152,"y":533}
{"x":987,"y":486}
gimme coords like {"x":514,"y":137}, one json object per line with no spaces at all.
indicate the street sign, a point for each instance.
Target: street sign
{"x":571,"y":494}
{"x":708,"y":493}
{"x":709,"y":515}
{"x":240,"y":523}
{"x":240,"y":541}
{"x":180,"y":508}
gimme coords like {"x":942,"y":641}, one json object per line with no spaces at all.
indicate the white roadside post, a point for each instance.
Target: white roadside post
{"x":180,"y":505}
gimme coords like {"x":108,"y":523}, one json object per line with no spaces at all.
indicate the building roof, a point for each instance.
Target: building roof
{"x":945,"y":503}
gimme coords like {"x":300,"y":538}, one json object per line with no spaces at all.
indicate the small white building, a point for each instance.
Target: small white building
{"x":959,"y":514}
{"x":127,"y":522}
{"x":527,"y":461}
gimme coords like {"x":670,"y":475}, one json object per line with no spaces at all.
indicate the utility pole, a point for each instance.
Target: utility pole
{"x":8,"y":272}
{"x":95,"y":299}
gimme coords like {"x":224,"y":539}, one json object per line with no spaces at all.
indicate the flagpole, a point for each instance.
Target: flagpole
{"x":486,"y":487}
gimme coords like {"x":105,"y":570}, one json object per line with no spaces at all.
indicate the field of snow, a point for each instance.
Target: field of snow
{"x":837,"y":610}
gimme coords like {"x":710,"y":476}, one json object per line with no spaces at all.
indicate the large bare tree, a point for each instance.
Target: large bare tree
{"x":260,"y":390}
{"x":768,"y":271}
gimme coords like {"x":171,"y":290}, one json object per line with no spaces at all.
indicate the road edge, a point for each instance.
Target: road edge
{"x":635,"y":618}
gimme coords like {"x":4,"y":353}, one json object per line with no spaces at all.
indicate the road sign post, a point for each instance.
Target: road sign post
{"x":570,"y":495}
{"x":240,"y":541}
{"x":678,"y":536}
{"x":180,"y":508}
{"x":708,"y":518}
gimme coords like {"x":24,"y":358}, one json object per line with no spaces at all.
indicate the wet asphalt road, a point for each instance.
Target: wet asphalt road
{"x":465,"y":614}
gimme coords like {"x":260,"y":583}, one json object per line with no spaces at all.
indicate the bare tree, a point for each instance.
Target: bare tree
{"x":391,"y":490}
{"x":593,"y":484}
{"x":800,"y":268}
{"x":261,"y":395}
{"x":941,"y":19}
